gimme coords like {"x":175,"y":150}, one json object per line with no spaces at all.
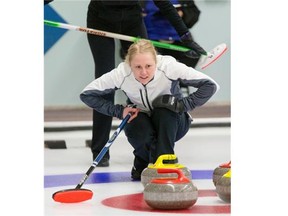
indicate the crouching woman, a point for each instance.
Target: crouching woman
{"x":151,"y":83}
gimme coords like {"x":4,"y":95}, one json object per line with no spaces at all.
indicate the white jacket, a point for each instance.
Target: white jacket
{"x":166,"y":81}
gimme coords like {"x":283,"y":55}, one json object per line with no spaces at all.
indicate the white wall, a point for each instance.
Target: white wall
{"x":68,"y":65}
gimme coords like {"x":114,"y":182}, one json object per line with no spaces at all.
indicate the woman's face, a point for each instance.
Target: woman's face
{"x":143,"y":66}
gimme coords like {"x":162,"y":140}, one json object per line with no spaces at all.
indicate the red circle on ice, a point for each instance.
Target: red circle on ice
{"x":136,"y":202}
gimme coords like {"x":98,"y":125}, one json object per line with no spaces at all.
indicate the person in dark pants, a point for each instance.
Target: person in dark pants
{"x":123,"y":17}
{"x":151,"y":82}
{"x":159,"y":126}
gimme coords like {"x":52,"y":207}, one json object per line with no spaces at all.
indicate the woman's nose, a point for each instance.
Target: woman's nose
{"x":143,"y":71}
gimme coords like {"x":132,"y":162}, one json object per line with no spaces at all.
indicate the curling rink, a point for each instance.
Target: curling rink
{"x":201,"y":150}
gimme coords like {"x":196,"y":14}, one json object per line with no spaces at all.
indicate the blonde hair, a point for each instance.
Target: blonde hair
{"x":140,"y":46}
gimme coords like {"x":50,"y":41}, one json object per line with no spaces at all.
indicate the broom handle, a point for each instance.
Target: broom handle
{"x":113,"y":35}
{"x":103,"y":151}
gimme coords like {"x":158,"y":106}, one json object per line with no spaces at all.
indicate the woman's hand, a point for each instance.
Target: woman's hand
{"x":134,"y":112}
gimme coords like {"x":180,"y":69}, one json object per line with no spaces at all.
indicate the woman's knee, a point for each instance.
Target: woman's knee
{"x":140,"y":129}
{"x":164,"y":118}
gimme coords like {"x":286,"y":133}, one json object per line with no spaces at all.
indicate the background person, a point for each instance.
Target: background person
{"x":160,"y":29}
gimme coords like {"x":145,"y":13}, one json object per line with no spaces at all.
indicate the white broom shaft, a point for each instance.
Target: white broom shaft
{"x":100,"y":33}
{"x":113,"y":35}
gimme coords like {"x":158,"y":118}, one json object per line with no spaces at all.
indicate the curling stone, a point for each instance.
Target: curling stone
{"x":223,"y":187}
{"x":171,"y":193}
{"x":220,"y":171}
{"x":150,"y":172}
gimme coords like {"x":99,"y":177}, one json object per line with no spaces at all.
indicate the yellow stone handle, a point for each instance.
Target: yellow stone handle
{"x":161,"y":158}
{"x":228,"y":174}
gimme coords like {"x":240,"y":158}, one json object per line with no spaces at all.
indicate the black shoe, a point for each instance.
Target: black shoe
{"x":104,"y":162}
{"x":136,"y":174}
{"x":139,"y":166}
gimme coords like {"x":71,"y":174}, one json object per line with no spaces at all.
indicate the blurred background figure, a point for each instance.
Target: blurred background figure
{"x":160,"y":29}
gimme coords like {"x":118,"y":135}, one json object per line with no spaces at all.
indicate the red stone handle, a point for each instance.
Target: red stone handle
{"x":181,"y":178}
{"x":226,"y":165}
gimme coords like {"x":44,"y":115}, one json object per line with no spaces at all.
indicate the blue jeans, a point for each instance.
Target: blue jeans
{"x":152,"y":136}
